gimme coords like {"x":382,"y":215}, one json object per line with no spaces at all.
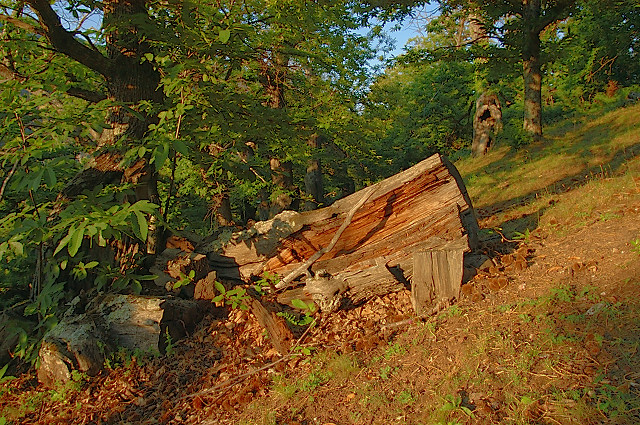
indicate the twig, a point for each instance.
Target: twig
{"x":9,"y":175}
{"x":398,"y":324}
{"x":35,"y":290}
{"x":504,"y":238}
{"x":286,"y":281}
{"x":173,"y":165}
{"x":304,"y":334}
{"x":252,"y":169}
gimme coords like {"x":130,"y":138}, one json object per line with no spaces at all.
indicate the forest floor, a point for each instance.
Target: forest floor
{"x":548,"y":332}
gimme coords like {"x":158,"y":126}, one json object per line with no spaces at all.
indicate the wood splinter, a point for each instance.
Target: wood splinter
{"x":304,"y":267}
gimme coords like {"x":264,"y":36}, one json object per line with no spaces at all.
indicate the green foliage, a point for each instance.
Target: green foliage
{"x":513,"y":134}
{"x":169,"y":349}
{"x":562,"y":293}
{"x":3,"y":371}
{"x":315,"y":379}
{"x":122,"y":357}
{"x":236,"y":297}
{"x":405,"y":397}
{"x":594,"y":47}
{"x":385,"y":372}
{"x":522,"y":236}
{"x":239,"y":84}
{"x":300,"y":320}
{"x":184,"y":279}
{"x":305,"y":351}
{"x":89,"y":217}
{"x":420,"y":110}
{"x":267,"y":280}
{"x":454,"y":403}
{"x":119,"y":279}
{"x":394,"y":349}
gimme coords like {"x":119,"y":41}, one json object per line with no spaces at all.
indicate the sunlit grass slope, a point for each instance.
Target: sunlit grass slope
{"x":598,"y":153}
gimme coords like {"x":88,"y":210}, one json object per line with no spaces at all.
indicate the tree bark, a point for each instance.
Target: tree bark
{"x":282,"y":178}
{"x":313,"y":183}
{"x":361,"y":246}
{"x":221,"y":209}
{"x":273,"y":76}
{"x":129,"y":81}
{"x":532,"y":74}
{"x":487,"y":121}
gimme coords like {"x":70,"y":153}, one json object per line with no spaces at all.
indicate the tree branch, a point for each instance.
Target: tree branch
{"x":64,"y":42}
{"x":88,"y":95}
{"x":557,"y":12}
{"x":7,"y":74}
{"x":21,"y":24}
{"x":8,"y":177}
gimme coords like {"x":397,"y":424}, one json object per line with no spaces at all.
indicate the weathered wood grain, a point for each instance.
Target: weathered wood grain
{"x":423,"y":208}
{"x":437,"y":275}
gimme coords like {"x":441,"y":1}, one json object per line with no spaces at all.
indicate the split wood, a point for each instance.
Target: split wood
{"x":304,"y":267}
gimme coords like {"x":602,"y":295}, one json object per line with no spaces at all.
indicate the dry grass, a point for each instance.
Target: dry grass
{"x":516,"y":190}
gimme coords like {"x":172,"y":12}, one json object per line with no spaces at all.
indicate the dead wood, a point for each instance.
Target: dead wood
{"x":437,"y":276}
{"x":362,"y":246}
{"x":308,"y":263}
{"x":279,"y":334}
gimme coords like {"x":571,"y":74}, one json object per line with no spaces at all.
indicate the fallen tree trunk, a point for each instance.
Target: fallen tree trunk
{"x":363,"y":244}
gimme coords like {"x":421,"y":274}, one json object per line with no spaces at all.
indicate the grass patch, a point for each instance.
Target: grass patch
{"x":522,"y":189}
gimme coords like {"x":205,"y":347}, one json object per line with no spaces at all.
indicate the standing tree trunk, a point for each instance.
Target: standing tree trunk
{"x":273,"y":76}
{"x":531,"y":69}
{"x":282,"y":178}
{"x":532,"y":90}
{"x":487,"y":121}
{"x":220,"y":209}
{"x":313,"y":184}
{"x":528,"y":18}
{"x":128,"y":80}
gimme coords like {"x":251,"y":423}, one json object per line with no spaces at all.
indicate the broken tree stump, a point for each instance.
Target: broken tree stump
{"x":279,"y":334}
{"x":423,"y":208}
{"x":437,"y":276}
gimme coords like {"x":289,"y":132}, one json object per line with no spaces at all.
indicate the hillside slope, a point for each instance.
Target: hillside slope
{"x":554,"y":341}
{"x":547,"y":333}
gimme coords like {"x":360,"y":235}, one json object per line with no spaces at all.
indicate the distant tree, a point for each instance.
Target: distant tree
{"x":420,"y":109}
{"x":516,"y":27}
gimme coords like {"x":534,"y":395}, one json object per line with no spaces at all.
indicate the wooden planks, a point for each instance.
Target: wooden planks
{"x":437,"y":275}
